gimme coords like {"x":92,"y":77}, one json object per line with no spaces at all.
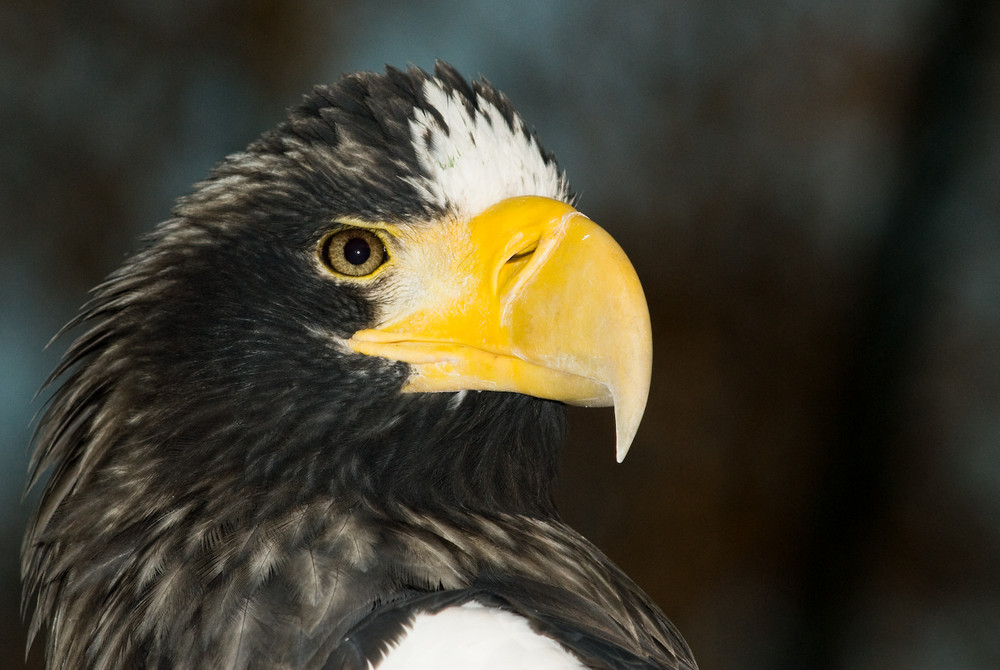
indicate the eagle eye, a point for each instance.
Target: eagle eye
{"x":354,"y":252}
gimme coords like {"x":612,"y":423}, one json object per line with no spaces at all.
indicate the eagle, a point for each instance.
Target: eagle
{"x":314,"y":422}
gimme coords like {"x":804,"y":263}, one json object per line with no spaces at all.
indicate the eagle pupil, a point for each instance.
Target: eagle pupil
{"x":357,"y":251}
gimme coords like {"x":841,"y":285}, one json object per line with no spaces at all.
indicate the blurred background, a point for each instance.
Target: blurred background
{"x":810,"y":192}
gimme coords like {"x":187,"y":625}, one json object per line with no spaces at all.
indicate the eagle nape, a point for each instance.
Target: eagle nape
{"x":315,"y":421}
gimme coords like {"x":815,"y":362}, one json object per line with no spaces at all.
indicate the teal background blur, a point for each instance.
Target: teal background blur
{"x":810,"y":192}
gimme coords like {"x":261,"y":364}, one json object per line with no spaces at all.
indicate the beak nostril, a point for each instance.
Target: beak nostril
{"x":523,"y":253}
{"x":517,"y":257}
{"x":513,"y":265}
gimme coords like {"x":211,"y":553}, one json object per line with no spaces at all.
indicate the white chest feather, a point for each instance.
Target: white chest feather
{"x":473,"y":636}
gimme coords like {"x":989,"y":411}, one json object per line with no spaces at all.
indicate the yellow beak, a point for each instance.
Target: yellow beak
{"x":529,"y":296}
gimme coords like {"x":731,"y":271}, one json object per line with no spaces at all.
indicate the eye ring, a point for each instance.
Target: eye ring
{"x":353,"y":252}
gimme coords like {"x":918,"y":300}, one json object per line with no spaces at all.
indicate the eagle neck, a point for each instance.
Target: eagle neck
{"x":497,"y":453}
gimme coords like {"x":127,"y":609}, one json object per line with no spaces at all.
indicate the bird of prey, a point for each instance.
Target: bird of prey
{"x":314,"y":422}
